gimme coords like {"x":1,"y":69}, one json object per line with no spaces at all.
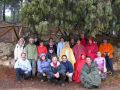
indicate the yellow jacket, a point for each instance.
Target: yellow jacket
{"x":69,"y":53}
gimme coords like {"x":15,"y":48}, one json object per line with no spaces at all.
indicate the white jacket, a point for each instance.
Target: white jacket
{"x":23,"y":64}
{"x":17,"y":51}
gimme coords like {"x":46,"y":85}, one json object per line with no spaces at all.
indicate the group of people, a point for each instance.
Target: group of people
{"x":82,"y":61}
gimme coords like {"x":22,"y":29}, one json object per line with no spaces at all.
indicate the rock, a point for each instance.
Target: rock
{"x":6,"y":49}
{"x":4,"y":58}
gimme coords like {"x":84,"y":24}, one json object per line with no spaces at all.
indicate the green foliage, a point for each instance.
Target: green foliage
{"x":90,"y":16}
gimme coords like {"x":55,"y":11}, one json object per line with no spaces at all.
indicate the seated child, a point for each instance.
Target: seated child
{"x":43,"y":66}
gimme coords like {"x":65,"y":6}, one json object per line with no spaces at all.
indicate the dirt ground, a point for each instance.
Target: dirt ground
{"x":8,"y":82}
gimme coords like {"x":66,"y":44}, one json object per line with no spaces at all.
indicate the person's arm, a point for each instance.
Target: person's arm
{"x":39,"y":67}
{"x":16,"y":53}
{"x":101,"y":49}
{"x":29,"y":67}
{"x":105,"y":69}
{"x":46,"y":51}
{"x":58,"y":50}
{"x":70,"y":68}
{"x":36,"y":54}
{"x":110,"y":49}
{"x":16,"y":64}
{"x":62,"y":69}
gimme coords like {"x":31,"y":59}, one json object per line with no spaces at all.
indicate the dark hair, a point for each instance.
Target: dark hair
{"x":64,"y":56}
{"x":89,"y":57}
{"x":62,"y":37}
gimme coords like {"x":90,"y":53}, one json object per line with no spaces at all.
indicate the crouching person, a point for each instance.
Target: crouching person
{"x":23,"y":68}
{"x":90,"y":77}
{"x":101,"y":65}
{"x":57,"y":72}
{"x":43,"y":66}
{"x":68,"y":67}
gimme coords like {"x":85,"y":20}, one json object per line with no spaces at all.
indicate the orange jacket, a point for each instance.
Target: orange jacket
{"x":106,"y":48}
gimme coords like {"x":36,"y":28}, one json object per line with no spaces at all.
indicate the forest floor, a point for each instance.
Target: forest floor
{"x":8,"y":82}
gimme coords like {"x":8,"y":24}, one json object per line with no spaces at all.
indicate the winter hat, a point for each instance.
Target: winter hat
{"x":42,"y":54}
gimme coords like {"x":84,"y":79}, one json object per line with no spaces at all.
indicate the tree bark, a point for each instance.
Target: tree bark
{"x":4,"y":10}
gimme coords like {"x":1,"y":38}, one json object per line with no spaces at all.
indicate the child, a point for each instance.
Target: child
{"x":43,"y":66}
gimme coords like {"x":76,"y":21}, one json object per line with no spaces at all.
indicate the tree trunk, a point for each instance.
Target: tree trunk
{"x":4,"y":11}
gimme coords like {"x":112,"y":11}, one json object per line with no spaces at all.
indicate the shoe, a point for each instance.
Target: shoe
{"x":41,"y":80}
{"x":62,"y":84}
{"x":19,"y":82}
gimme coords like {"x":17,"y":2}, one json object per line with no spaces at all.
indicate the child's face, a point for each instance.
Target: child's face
{"x":43,"y":57}
{"x":50,"y":51}
{"x":54,"y":59}
{"x":23,"y":56}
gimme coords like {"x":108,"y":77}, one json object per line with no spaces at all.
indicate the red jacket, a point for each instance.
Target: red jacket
{"x":42,"y":49}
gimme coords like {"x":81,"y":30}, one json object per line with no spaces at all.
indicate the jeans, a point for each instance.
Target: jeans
{"x":20,"y":72}
{"x":109,"y":64}
{"x":34,"y":65}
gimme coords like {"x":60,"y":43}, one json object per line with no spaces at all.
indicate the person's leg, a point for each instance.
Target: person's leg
{"x":53,"y":80}
{"x":69,"y":75}
{"x":111,"y":66}
{"x":19,"y":72}
{"x":61,"y":79}
{"x":33,"y":62}
{"x":27,"y":76}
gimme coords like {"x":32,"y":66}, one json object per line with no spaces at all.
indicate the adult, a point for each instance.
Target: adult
{"x":78,"y":49}
{"x":51,"y":44}
{"x":23,"y":68}
{"x":31,"y":51}
{"x":50,"y":53}
{"x":57,"y":72}
{"x":60,"y":46}
{"x":68,"y":52}
{"x":72,"y":43}
{"x":107,"y":51}
{"x":83,"y":40}
{"x":101,"y":65}
{"x":43,"y":66}
{"x":68,"y":67}
{"x":90,"y":77}
{"x":19,"y":48}
{"x":78,"y":68}
{"x":91,"y":48}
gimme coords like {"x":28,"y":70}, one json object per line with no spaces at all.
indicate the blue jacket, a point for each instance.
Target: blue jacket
{"x":43,"y":66}
{"x":68,"y":66}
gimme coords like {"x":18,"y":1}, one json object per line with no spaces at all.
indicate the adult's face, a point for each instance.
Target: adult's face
{"x":105,"y":41}
{"x":99,"y":54}
{"x":83,"y":56}
{"x":64,"y":58}
{"x":31,"y":40}
{"x":41,"y":44}
{"x":62,"y":39}
{"x":90,"y":41}
{"x":72,"y":40}
{"x":23,"y":56}
{"x":88,"y":61}
{"x":21,"y":41}
{"x":78,"y":41}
